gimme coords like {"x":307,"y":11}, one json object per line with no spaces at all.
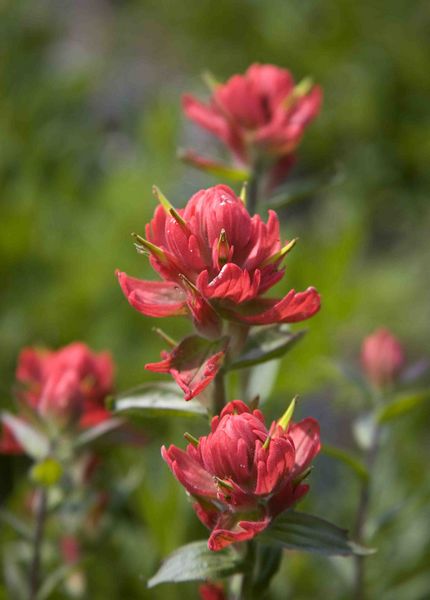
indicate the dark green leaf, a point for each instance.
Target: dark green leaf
{"x":266,"y":344}
{"x":402,"y":405}
{"x":348,"y":459}
{"x":301,"y":531}
{"x":93,"y":433}
{"x":157,"y":399}
{"x":35,"y":443}
{"x":195,"y":562}
{"x":294,"y":191}
{"x":267,"y":564}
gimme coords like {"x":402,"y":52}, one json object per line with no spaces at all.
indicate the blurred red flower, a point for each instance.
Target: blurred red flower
{"x":67,"y":386}
{"x":211,"y":591}
{"x":242,"y":475}
{"x":382,"y":357}
{"x":260,"y":115}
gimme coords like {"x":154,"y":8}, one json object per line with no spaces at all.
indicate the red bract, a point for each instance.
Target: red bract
{"x":211,"y":591}
{"x":258,"y":115}
{"x":216,"y":262}
{"x":382,"y":357}
{"x":242,"y":475}
{"x":67,"y":386}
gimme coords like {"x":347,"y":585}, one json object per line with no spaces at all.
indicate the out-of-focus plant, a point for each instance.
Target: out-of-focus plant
{"x":60,"y":398}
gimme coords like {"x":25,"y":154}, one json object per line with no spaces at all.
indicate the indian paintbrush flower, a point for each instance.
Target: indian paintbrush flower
{"x":67,"y":386}
{"x":382,"y":358}
{"x":260,"y":115}
{"x":216,"y":263}
{"x":242,"y":474}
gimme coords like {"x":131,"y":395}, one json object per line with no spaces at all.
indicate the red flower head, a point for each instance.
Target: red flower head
{"x":216,"y":261}
{"x":258,"y":115}
{"x":242,"y":475}
{"x":67,"y":386}
{"x":382,"y":357}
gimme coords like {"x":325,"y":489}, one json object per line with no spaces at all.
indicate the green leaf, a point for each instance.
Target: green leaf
{"x":220,"y":170}
{"x":93,"y":433}
{"x":402,"y":405}
{"x":48,"y":472}
{"x":33,"y":441}
{"x":17,"y":524}
{"x":348,"y":459}
{"x":157,"y":399}
{"x":266,"y":344}
{"x":294,"y":191}
{"x":195,"y":562}
{"x":301,"y":531}
{"x":54,"y":579}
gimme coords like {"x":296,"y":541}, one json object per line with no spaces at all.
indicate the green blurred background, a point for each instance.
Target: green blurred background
{"x":90,"y":118}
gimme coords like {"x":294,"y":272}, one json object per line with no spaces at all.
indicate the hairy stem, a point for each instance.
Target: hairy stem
{"x":219,"y":395}
{"x":362,"y":514}
{"x":252,"y":196}
{"x":247,"y":585}
{"x":34,"y":579}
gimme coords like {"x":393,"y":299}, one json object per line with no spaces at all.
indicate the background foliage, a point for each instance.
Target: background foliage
{"x":90,"y":118}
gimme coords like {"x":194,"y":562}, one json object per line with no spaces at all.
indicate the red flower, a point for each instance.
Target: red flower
{"x":382,"y":357}
{"x":260,"y":114}
{"x":216,"y":262}
{"x":242,"y":475}
{"x":67,"y":386}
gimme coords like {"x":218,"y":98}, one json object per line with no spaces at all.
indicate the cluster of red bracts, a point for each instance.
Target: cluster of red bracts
{"x":242,"y":475}
{"x":216,"y":262}
{"x":68,"y":386}
{"x":259,"y":116}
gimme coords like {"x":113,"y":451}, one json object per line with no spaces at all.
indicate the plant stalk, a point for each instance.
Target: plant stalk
{"x":247,"y":584}
{"x":252,"y":196}
{"x":219,"y":396}
{"x":362,"y":515}
{"x":34,"y":575}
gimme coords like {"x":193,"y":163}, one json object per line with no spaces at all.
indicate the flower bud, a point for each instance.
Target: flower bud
{"x":382,"y":358}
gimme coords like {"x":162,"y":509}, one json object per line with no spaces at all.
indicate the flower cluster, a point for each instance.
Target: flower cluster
{"x":242,"y":474}
{"x":260,"y":115}
{"x":67,"y":386}
{"x":217,"y":262}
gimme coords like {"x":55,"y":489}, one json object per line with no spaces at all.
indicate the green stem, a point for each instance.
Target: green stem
{"x":252,"y":196}
{"x":362,"y":514}
{"x":34,"y":579}
{"x":219,"y":396}
{"x":247,"y":585}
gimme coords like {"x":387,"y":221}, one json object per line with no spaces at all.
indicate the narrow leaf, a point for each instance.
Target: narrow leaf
{"x":266,"y":344}
{"x":93,"y":433}
{"x":17,"y":524}
{"x":156,"y":399}
{"x":208,"y":165}
{"x":195,"y":562}
{"x":348,"y":459}
{"x":402,"y":405}
{"x":301,"y":531}
{"x":34,"y":442}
